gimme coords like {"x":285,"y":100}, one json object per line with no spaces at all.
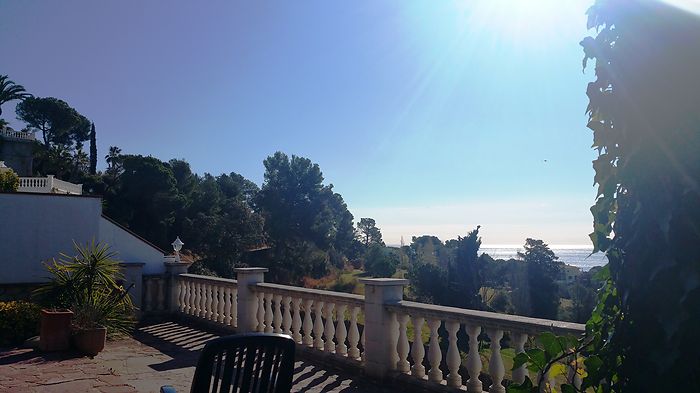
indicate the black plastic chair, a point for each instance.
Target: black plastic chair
{"x":253,"y":362}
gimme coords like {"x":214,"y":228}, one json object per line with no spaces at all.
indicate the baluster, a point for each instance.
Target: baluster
{"x":453,"y":359}
{"x":474,"y":360}
{"x":393,"y":341}
{"x":268,"y":313}
{"x":354,"y":334}
{"x":277,"y":316}
{"x":340,"y":331}
{"x":402,"y":348}
{"x":193,"y":301}
{"x":202,"y":301}
{"x":518,"y":341}
{"x":496,"y":369}
{"x":318,"y":325}
{"x":227,"y":306}
{"x":329,"y":332}
{"x":234,"y":307}
{"x":296,"y":320}
{"x":179,"y":296}
{"x":214,"y":309}
{"x":210,"y":302}
{"x":287,"y":318}
{"x":186,"y":308}
{"x":434,"y":353}
{"x":261,"y":312}
{"x":308,"y":323}
{"x":362,"y":339}
{"x":190,"y":297}
{"x":417,"y":350}
{"x":221,"y":301}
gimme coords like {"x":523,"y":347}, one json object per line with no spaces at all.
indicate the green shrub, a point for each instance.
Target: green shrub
{"x":9,"y":181}
{"x":18,"y":321}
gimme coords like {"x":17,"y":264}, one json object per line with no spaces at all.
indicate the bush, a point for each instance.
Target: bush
{"x":18,"y":321}
{"x":380,"y":263}
{"x":9,"y":181}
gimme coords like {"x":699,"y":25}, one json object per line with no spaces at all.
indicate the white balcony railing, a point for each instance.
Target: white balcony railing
{"x":48,"y":185}
{"x":378,"y":332}
{"x":29,"y":136}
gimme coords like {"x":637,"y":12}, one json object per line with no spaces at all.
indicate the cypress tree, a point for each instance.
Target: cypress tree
{"x":93,"y":150}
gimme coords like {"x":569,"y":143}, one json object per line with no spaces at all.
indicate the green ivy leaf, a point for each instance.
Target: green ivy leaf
{"x":525,"y":387}
{"x":566,"y":388}
{"x":550,"y":343}
{"x":537,"y":359}
{"x":519,"y":360}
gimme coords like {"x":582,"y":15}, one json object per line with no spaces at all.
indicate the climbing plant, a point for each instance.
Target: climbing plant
{"x":644,"y":110}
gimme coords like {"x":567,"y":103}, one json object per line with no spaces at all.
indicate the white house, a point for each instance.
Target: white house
{"x":35,"y":228}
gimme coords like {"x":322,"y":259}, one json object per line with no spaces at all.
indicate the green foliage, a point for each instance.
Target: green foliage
{"x":379,"y":262}
{"x":542,"y":271}
{"x":643,"y":110}
{"x":301,"y":215}
{"x":10,"y":91}
{"x":456,"y":282}
{"x":145,"y":198}
{"x":555,"y":358}
{"x":59,"y":123}
{"x":18,"y":321}
{"x":88,"y":284}
{"x":93,"y":149}
{"x":368,"y":233}
{"x":9,"y":181}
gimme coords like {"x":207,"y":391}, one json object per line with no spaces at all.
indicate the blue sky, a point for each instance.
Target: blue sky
{"x":430,"y":116}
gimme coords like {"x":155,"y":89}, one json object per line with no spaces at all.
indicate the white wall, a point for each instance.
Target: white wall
{"x":38,"y":227}
{"x":130,"y":248}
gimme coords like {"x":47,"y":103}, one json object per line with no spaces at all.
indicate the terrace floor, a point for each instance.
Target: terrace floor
{"x":159,"y":354}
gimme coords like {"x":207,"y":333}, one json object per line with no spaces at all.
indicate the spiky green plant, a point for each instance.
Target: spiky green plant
{"x":88,"y":284}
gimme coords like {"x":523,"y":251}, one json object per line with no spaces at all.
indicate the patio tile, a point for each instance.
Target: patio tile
{"x":160,"y":354}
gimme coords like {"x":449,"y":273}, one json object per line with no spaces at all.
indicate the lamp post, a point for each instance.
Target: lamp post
{"x":177,"y":246}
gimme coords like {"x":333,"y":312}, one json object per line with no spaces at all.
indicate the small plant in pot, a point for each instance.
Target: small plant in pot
{"x":87,"y":285}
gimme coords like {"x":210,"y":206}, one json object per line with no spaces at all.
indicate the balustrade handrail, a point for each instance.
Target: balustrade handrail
{"x":308,"y":293}
{"x":487,"y":319}
{"x":199,"y":277}
{"x":18,"y":134}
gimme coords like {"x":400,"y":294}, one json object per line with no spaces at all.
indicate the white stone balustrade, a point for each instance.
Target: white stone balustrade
{"x":324,"y":320}
{"x":401,"y":338}
{"x":474,"y":324}
{"x":210,"y":298}
{"x":48,"y":185}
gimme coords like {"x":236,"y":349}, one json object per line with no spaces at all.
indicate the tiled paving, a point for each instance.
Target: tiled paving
{"x":159,"y":354}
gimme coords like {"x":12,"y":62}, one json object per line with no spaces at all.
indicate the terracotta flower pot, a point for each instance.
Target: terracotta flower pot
{"x":90,"y":341}
{"x":54,"y":334}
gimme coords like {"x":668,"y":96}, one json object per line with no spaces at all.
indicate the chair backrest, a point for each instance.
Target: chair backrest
{"x":253,"y":362}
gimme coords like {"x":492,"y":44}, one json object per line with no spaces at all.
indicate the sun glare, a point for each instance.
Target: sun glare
{"x":523,"y":22}
{"x":687,"y":5}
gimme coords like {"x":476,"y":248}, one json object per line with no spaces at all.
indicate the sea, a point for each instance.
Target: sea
{"x":578,"y":256}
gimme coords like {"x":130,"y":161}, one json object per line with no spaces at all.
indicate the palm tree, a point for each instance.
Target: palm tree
{"x":10,"y":91}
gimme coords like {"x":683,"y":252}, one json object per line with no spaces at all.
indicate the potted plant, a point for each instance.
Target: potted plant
{"x":56,"y":317}
{"x":87,"y":285}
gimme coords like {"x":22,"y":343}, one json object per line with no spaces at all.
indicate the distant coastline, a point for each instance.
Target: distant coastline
{"x":575,"y":255}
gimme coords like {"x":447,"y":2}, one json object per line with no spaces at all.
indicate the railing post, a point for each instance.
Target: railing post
{"x":247,"y":299}
{"x":173,"y":268}
{"x":380,"y":328}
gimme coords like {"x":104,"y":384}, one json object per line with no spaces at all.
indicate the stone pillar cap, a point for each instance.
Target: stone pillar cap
{"x":251,"y":270}
{"x":383,"y":281}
